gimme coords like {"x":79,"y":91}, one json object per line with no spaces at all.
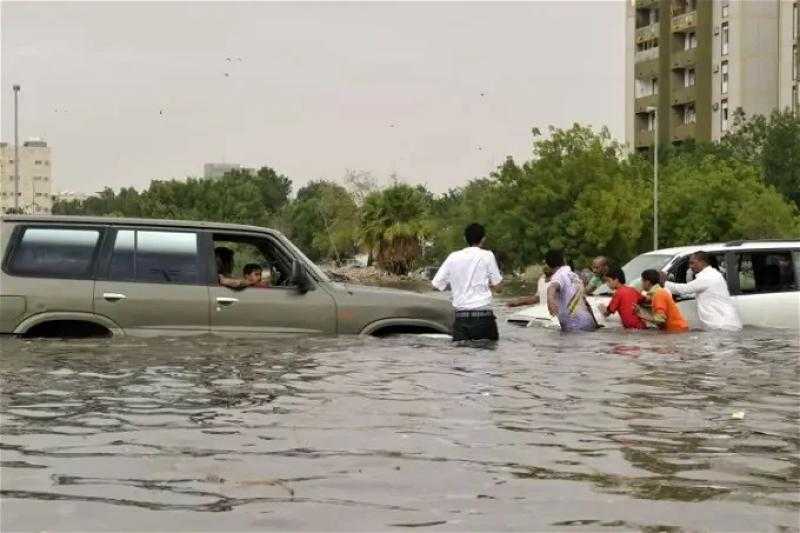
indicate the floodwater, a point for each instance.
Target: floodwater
{"x":605,"y":431}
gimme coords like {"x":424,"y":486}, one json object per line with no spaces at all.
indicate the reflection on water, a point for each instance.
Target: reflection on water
{"x":606,"y":431}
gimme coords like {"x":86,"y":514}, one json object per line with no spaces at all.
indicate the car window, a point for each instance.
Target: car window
{"x":155,"y":257}
{"x":681,"y":273}
{"x":247,"y":250}
{"x":764,"y":272}
{"x":55,"y":252}
{"x":122,"y":258}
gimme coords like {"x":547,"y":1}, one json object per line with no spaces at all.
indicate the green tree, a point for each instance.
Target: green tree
{"x":323,"y":220}
{"x":721,"y":199}
{"x":772,"y":144}
{"x":394,"y":225}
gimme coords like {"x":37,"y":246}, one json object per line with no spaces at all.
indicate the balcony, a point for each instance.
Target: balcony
{"x":684,"y":58}
{"x":682,"y":132}
{"x":642,"y":103}
{"x":684,"y":22}
{"x":645,"y":138}
{"x":682,"y":95}
{"x":646,"y":55}
{"x":646,"y":69}
{"x":647,"y":33}
{"x":645,"y":4}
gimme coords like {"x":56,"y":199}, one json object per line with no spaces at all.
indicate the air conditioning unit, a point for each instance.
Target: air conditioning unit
{"x":716,"y":106}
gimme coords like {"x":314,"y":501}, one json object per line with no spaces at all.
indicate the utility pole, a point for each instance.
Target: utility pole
{"x":654,"y":110}
{"x":16,"y":149}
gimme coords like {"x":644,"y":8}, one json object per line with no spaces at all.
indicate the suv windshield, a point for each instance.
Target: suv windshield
{"x":633,"y":269}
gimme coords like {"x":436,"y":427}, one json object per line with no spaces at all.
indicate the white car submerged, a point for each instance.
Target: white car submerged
{"x":763,"y":278}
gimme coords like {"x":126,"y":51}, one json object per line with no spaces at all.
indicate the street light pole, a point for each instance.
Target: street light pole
{"x":16,"y":149}
{"x":654,"y":110}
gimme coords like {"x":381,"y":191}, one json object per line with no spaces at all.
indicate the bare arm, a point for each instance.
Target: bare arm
{"x":527,"y":300}
{"x":552,"y":298}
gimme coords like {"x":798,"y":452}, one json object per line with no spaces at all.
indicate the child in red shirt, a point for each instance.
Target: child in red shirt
{"x":624,"y":301}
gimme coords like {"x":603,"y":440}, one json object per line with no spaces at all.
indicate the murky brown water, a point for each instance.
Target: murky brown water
{"x":608,"y":431}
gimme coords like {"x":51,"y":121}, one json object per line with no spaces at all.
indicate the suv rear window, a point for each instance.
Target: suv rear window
{"x":155,"y":257}
{"x":55,"y":253}
{"x":766,"y":272}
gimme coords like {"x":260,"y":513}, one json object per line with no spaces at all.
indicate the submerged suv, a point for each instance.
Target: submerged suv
{"x":66,"y":275}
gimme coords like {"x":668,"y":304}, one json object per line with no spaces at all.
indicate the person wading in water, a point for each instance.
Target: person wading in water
{"x":565,"y":296}
{"x":471,"y":274}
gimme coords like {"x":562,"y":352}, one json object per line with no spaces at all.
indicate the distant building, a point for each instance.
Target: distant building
{"x":35,"y":177}
{"x":217,"y":170}
{"x":695,"y":62}
{"x":66,"y":196}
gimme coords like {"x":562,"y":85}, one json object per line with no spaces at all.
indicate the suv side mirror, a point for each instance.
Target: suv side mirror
{"x":300,"y":278}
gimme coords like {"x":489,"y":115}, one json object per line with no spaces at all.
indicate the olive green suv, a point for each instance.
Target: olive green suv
{"x":64,"y":275}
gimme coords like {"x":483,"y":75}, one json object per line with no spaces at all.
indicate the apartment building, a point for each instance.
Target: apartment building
{"x":695,"y":62}
{"x":35,"y":192}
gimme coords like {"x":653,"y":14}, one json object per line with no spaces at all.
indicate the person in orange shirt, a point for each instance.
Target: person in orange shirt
{"x":663,"y":312}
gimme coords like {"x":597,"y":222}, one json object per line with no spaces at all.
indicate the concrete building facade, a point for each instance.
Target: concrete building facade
{"x":35,"y":192}
{"x":696,"y":62}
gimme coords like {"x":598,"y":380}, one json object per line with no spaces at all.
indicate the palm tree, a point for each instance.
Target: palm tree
{"x":394,"y":223}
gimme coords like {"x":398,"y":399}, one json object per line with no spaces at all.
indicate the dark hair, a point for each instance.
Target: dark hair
{"x":223,"y":253}
{"x":249,"y":268}
{"x":700,"y":255}
{"x":554,"y":259}
{"x":617,"y":274}
{"x":474,"y":233}
{"x":652,"y":276}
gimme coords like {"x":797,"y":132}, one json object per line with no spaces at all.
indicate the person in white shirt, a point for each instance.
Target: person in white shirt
{"x":715,"y":307}
{"x":471,"y":274}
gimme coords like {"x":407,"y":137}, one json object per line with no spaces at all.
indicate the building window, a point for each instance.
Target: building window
{"x":724,"y":77}
{"x":647,"y":45}
{"x":37,"y":162}
{"x":647,"y":87}
{"x":688,"y":77}
{"x":725,"y":38}
{"x":651,"y":121}
{"x":724,"y":115}
{"x":654,"y":16}
{"x":796,"y":20}
{"x":689,"y":40}
{"x":795,"y":63}
{"x":725,"y":11}
{"x":689,"y":115}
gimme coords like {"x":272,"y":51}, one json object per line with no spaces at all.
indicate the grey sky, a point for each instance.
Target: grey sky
{"x":320,"y":88}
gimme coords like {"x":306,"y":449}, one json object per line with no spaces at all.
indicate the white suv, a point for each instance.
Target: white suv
{"x":763,"y":278}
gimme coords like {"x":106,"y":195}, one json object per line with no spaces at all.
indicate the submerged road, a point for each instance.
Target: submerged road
{"x":608,"y":430}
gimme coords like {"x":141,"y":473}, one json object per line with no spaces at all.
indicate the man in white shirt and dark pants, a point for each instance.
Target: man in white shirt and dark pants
{"x":471,"y":274}
{"x":715,"y":307}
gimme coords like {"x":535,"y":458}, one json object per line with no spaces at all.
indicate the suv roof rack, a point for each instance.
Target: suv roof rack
{"x":741,"y":242}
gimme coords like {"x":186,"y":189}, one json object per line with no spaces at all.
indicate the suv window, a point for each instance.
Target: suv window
{"x":681,"y":273}
{"x":761,"y":272}
{"x":55,"y":252}
{"x":155,"y":257}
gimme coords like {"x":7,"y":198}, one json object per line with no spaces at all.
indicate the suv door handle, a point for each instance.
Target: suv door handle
{"x":222,"y":300}
{"x":114,"y":296}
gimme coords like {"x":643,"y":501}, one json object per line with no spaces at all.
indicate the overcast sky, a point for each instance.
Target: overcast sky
{"x":438,"y":93}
